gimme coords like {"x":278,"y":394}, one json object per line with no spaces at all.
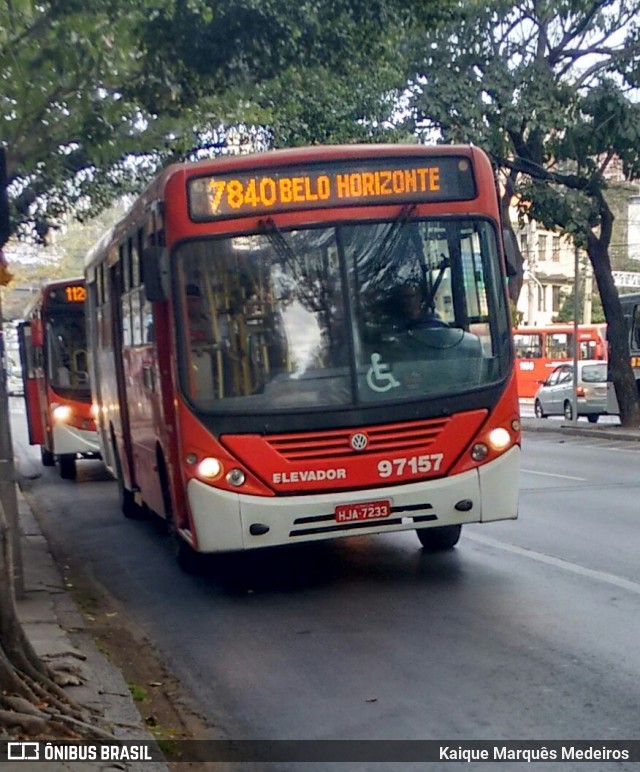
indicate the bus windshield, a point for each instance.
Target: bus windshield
{"x":67,"y":351}
{"x":352,"y":314}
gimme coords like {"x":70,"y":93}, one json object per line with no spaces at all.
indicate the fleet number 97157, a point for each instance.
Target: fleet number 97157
{"x":398,"y":467}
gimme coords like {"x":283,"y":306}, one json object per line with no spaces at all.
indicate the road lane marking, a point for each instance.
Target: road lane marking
{"x":612,"y":447}
{"x":550,"y":474}
{"x":565,"y":565}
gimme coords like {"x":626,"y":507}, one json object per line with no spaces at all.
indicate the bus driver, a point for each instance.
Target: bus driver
{"x":413,"y":310}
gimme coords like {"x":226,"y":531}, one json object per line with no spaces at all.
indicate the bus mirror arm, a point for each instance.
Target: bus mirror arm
{"x":155,"y":267}
{"x":510,"y":252}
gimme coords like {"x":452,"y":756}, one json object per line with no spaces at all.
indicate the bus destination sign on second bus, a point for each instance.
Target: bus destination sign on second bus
{"x":69,"y":293}
{"x":270,"y":190}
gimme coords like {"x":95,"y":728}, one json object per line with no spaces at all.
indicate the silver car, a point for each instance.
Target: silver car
{"x":14,"y":380}
{"x":555,"y":395}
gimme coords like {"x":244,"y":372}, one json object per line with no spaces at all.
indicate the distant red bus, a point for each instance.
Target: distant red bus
{"x":258,"y":379}
{"x":57,"y":391}
{"x":540,"y":349}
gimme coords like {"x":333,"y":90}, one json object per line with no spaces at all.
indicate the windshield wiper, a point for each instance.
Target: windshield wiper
{"x":392,"y":235}
{"x":433,"y":290}
{"x":280,"y":245}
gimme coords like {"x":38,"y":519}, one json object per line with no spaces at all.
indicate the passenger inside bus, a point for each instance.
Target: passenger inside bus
{"x":199,"y":322}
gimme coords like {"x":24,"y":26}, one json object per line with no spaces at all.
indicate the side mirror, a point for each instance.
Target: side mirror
{"x":510,"y":252}
{"x":155,"y":270}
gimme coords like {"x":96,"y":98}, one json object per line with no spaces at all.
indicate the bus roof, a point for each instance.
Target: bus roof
{"x":273,"y":158}
{"x":38,"y":297}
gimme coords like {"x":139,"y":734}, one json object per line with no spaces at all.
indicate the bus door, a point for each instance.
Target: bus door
{"x":30,"y":343}
{"x":118,"y":319}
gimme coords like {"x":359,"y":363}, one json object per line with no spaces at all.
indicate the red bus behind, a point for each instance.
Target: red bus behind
{"x":540,"y":349}
{"x":53,"y":349}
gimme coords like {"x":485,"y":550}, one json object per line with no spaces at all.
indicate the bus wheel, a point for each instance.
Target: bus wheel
{"x":48,"y":459}
{"x":537,"y":409}
{"x":128,"y":505}
{"x":186,"y":557}
{"x":445,"y":537}
{"x":67,"y":466}
{"x":568,"y":411}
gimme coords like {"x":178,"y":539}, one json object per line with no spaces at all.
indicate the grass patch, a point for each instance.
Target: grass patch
{"x":138,"y":692}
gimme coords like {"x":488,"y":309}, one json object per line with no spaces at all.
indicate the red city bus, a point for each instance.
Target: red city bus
{"x":53,"y":350}
{"x":540,"y":349}
{"x":257,"y":382}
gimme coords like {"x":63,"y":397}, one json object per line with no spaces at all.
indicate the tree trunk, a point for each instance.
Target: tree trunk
{"x":624,"y":381}
{"x":31,"y":702}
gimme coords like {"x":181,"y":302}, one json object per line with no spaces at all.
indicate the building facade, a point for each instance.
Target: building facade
{"x":549,"y":269}
{"x":550,"y":259}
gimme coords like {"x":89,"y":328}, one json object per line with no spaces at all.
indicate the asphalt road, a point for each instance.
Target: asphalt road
{"x":527,"y":630}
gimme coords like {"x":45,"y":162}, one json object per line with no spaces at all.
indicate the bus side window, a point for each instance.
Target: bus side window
{"x":528,"y":346}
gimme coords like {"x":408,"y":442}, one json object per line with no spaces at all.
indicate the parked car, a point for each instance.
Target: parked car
{"x":555,"y":395}
{"x":15,"y":386}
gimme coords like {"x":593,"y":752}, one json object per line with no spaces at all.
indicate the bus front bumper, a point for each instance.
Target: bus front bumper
{"x":70,"y":439}
{"x":226,"y":522}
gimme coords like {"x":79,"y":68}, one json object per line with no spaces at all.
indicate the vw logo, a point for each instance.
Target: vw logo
{"x":359,"y":441}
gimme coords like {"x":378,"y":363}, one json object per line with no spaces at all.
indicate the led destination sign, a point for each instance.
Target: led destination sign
{"x":69,"y":294}
{"x":370,"y":182}
{"x":75,"y":293}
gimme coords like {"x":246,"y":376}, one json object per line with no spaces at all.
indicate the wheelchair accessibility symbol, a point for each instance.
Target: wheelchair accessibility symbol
{"x":379,"y":378}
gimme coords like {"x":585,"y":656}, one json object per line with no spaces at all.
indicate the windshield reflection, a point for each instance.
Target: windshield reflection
{"x":336,"y":316}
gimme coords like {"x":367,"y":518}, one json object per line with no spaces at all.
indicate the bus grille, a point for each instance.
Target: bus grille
{"x":337,"y":443}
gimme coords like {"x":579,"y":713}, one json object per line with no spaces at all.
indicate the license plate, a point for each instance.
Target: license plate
{"x":365,"y":510}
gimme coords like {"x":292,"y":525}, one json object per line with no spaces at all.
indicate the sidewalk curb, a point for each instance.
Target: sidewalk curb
{"x":594,"y":431}
{"x":56,"y":628}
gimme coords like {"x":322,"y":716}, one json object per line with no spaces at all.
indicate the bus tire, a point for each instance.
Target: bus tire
{"x":48,"y":459}
{"x":186,"y":557}
{"x":537,"y":409}
{"x":444,"y":537}
{"x":67,"y":463}
{"x":130,"y":509}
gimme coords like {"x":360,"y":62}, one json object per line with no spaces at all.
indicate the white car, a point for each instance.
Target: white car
{"x":15,"y":386}
{"x":555,"y":395}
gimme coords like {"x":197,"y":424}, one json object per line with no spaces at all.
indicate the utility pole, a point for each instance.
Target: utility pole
{"x":8,"y":498}
{"x":588,"y":293}
{"x":576,"y":341}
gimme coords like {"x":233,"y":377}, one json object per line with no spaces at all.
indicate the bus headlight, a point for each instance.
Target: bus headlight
{"x":61,"y":413}
{"x":479,"y":451}
{"x":499,"y":439}
{"x":496,"y":440}
{"x":210,"y":468}
{"x":236,"y":477}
